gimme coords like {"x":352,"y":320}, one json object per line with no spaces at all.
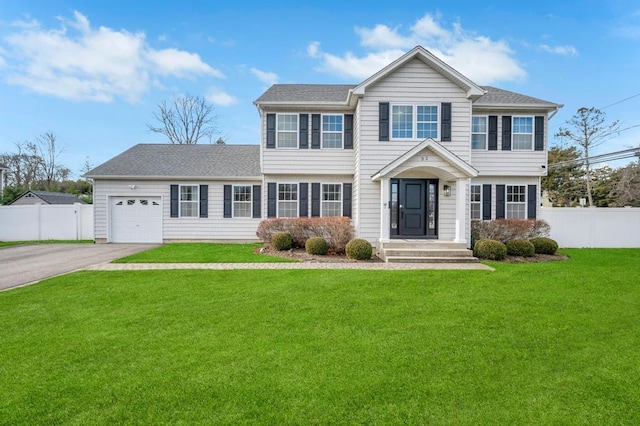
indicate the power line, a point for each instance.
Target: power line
{"x":601,"y":158}
{"x":621,"y":101}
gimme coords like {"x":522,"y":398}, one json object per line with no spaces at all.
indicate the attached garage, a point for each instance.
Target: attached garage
{"x":135,"y":219}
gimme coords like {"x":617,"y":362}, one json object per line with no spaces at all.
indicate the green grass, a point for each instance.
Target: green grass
{"x":14,"y":243}
{"x":548,"y":343}
{"x":202,"y":253}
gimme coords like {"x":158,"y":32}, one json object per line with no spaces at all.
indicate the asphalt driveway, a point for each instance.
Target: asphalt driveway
{"x":29,"y":263}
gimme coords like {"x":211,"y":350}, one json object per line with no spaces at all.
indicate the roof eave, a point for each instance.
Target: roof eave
{"x":502,"y":107}
{"x":129,"y":177}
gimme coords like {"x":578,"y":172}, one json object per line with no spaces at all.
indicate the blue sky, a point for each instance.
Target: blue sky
{"x":94,"y":72}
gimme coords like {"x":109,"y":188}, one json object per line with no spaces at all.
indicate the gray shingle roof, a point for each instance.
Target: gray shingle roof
{"x":54,"y":197}
{"x":190,"y":161}
{"x":495,"y":96}
{"x":297,"y":93}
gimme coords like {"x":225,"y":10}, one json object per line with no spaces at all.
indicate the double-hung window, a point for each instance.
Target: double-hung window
{"x":332,"y":131}
{"x":287,"y":130}
{"x":476,"y":202}
{"x":189,"y":199}
{"x":242,"y":201}
{"x":287,"y":200}
{"x":516,"y":202}
{"x":331,"y":199}
{"x":478,"y":132}
{"x":414,"y":121}
{"x":522,"y":133}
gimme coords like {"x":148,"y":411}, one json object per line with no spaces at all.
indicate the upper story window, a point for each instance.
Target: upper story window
{"x":287,"y":200}
{"x":414,"y":121}
{"x":476,"y":202}
{"x":516,"y":202}
{"x":478,"y":132}
{"x":189,"y":198}
{"x":331,"y":199}
{"x":332,"y":131}
{"x":287,"y":130}
{"x":242,"y":201}
{"x":522,"y":138}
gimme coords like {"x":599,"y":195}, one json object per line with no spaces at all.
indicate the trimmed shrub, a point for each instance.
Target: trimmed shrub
{"x":359,"y":249}
{"x":316,"y":245}
{"x":490,"y":249}
{"x":337,"y":231}
{"x":508,"y":229}
{"x":520,"y":247}
{"x":544,"y":245}
{"x":282,"y":241}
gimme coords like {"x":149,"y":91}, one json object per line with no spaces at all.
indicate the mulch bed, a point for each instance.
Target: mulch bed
{"x":301,"y":255}
{"x":535,"y":258}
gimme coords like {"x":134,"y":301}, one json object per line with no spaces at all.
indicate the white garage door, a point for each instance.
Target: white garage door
{"x":135,"y":219}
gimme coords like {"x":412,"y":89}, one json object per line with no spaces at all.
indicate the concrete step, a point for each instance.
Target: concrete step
{"x":411,"y":252}
{"x":404,"y":259}
{"x":429,"y":245}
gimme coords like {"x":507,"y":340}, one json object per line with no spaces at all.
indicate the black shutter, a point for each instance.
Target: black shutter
{"x":532,"y":201}
{"x":500,"y":201}
{"x":174,"y":201}
{"x":506,"y":133}
{"x":257,"y":201}
{"x":204,"y":200}
{"x":486,"y":202}
{"x":348,"y":131}
{"x":315,"y":131}
{"x":346,"y":199}
{"x":445,"y":122}
{"x":304,"y":131}
{"x":271,"y":130}
{"x":315,"y":199}
{"x":272,"y":202}
{"x":304,"y":199}
{"x":227,"y":201}
{"x":493,"y":133}
{"x":539,"y":134}
{"x":383,"y":121}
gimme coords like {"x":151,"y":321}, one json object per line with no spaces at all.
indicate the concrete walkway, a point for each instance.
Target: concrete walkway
{"x":301,"y":265}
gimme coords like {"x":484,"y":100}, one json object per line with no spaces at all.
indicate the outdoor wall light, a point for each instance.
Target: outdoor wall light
{"x":447,"y":190}
{"x":132,"y":187}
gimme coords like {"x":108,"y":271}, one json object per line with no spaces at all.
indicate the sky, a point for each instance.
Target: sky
{"x":94,"y":72}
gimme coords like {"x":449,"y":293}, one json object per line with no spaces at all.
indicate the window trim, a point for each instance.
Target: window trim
{"x":322,"y":201}
{"x":297,"y":130}
{"x":507,"y":202}
{"x":322,"y":131}
{"x":471,"y":202}
{"x":233,"y":201}
{"x":414,"y":122}
{"x":196,"y":201}
{"x":532,"y":134}
{"x":486,"y":132}
{"x":278,"y":200}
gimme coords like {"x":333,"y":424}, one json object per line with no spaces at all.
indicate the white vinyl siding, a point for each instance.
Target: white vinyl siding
{"x":189,"y":200}
{"x":287,"y":130}
{"x":522,"y":134}
{"x":475,"y":195}
{"x":479,"y":132}
{"x":287,"y":200}
{"x":242,"y":201}
{"x":331,"y":201}
{"x":516,"y":202}
{"x":414,"y":121}
{"x":332,"y":128}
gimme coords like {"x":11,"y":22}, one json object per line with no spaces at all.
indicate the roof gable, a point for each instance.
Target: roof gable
{"x":51,"y":197}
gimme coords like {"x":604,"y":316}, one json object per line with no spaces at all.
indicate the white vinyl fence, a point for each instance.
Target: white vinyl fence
{"x":46,"y":222}
{"x":594,"y":227}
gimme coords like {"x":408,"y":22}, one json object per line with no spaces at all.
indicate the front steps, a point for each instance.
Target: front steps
{"x":424,"y":251}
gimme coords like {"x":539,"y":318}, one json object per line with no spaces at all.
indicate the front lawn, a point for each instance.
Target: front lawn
{"x":538,"y":343}
{"x":202,"y":253}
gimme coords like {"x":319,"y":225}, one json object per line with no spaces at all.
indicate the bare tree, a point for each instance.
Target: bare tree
{"x":185,"y":120}
{"x":49,"y":151}
{"x":588,"y":130}
{"x":24,"y":165}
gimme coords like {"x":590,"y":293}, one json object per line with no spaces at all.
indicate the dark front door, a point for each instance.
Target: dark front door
{"x":414,"y":208}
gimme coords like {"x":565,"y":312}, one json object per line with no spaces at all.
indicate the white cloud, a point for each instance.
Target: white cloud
{"x":560,"y":50}
{"x":219,"y":97}
{"x":264,"y":76}
{"x":478,"y":57}
{"x":82,"y":63}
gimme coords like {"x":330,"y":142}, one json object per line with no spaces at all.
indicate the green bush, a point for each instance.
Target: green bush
{"x":282,"y":241}
{"x":520,"y":247}
{"x":544,"y":245}
{"x":316,"y":245}
{"x":489,"y":249}
{"x":359,"y":249}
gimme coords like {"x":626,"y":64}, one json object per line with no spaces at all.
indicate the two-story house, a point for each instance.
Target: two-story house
{"x":416,"y":152}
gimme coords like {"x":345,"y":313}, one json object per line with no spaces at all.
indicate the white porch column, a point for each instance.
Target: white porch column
{"x":385,"y":190}
{"x":461,"y":211}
